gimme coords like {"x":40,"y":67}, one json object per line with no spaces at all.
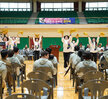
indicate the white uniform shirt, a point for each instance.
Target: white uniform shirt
{"x":73,"y":45}
{"x":65,"y":44}
{"x":37,"y":44}
{"x":93,"y":45}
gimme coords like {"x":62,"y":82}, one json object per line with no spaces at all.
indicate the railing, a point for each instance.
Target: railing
{"x":90,"y":20}
{"x":96,"y":8}
{"x":57,"y":9}
{"x":15,"y":9}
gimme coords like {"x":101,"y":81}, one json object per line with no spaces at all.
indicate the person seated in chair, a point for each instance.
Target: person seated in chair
{"x":9,"y":79}
{"x":12,"y":58}
{"x":15,"y":60}
{"x":76,"y":57}
{"x":21,"y":59}
{"x":26,"y":51}
{"x":52,"y":58}
{"x":87,"y":62}
{"x":104,"y":60}
{"x":43,"y":61}
{"x":3,"y":73}
{"x":16,"y":54}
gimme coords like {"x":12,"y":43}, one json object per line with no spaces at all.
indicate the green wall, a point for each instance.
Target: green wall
{"x":23,"y":42}
{"x":46,"y":42}
{"x":57,"y":41}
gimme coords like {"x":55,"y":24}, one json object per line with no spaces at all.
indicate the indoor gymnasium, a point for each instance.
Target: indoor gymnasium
{"x":53,"y":49}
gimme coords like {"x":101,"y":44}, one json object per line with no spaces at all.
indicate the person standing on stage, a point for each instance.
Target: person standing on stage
{"x":66,"y":48}
{"x":37,"y":47}
{"x":93,"y":47}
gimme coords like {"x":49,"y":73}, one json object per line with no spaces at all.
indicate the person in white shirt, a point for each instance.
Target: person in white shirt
{"x":100,"y":49}
{"x":88,"y":47}
{"x":93,"y":47}
{"x":106,"y":47}
{"x":66,"y":48}
{"x":37,"y":47}
{"x":13,"y":41}
{"x":73,"y":44}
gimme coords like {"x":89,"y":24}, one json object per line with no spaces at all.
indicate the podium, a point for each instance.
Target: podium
{"x":55,"y":50}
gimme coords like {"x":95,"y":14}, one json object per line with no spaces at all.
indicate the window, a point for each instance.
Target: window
{"x":48,"y":5}
{"x":42,"y":5}
{"x":22,"y":5}
{"x":4,"y":5}
{"x":97,"y":5}
{"x":92,"y":4}
{"x":15,"y":6}
{"x":57,"y":6}
{"x":68,"y":5}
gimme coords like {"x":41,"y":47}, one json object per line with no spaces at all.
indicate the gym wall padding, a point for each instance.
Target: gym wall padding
{"x":47,"y":41}
{"x":57,"y":41}
{"x":23,"y":41}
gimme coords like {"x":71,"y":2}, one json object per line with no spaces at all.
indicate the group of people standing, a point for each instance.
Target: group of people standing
{"x":82,"y":61}
{"x":69,"y":47}
{"x":10,"y":42}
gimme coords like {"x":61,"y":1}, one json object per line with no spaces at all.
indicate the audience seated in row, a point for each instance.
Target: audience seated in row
{"x":87,"y":62}
{"x":43,"y":61}
{"x":8,"y":58}
{"x":52,"y":58}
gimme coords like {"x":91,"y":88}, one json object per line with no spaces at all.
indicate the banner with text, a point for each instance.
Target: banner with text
{"x":56,"y":20}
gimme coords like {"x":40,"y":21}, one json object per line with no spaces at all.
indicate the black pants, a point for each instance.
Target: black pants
{"x":94,"y":57}
{"x":66,"y":59}
{"x":36,"y":55}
